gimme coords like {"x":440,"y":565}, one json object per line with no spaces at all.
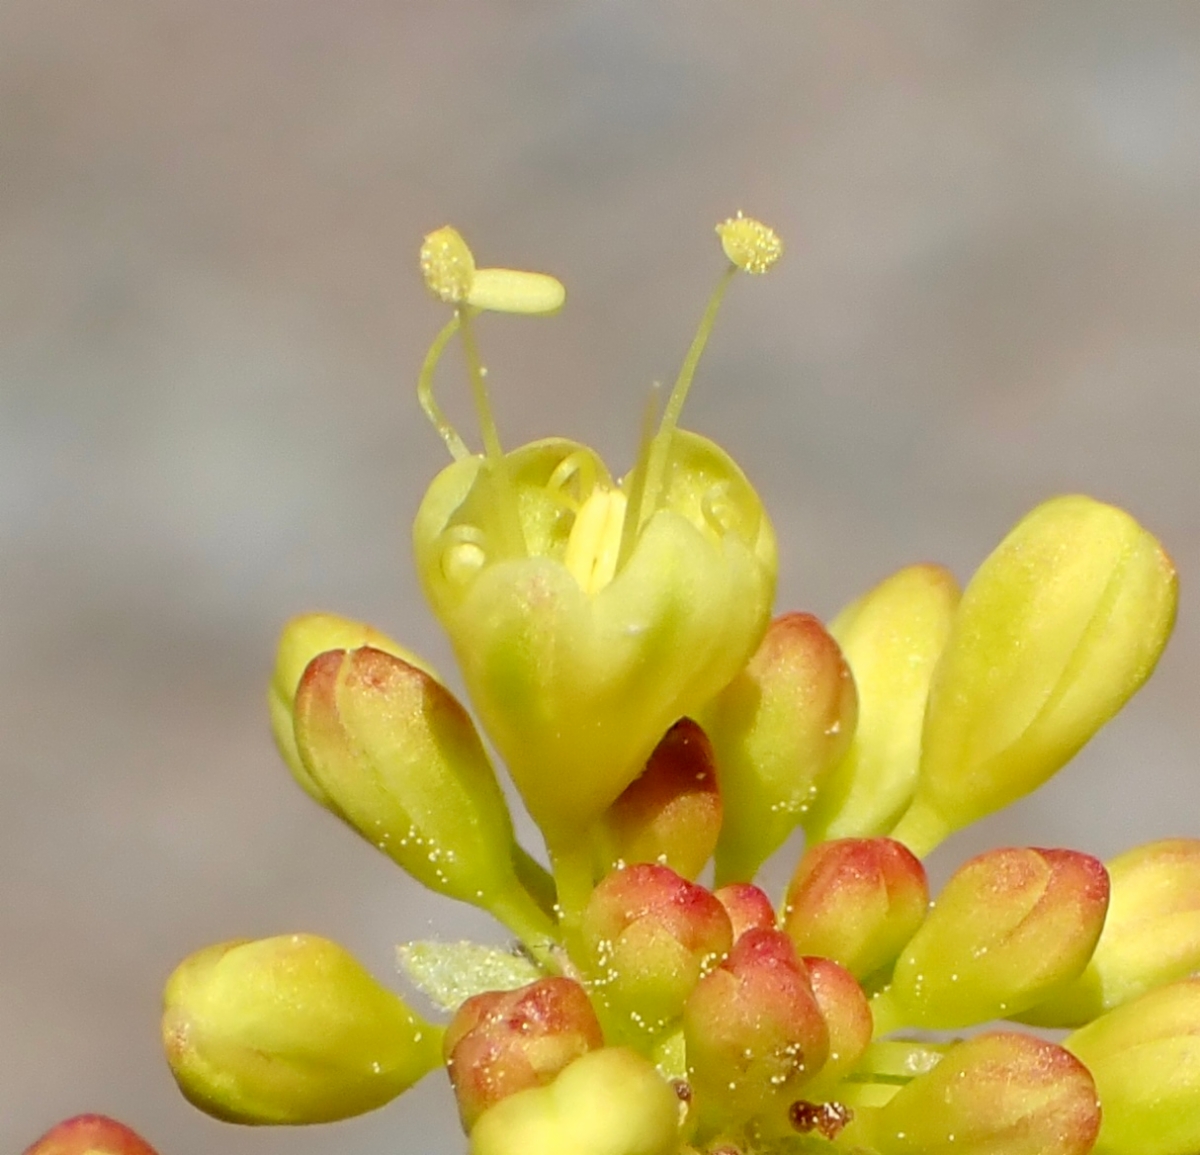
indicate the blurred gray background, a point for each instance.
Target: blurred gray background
{"x":211,"y":322}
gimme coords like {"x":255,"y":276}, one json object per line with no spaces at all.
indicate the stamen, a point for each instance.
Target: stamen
{"x":753,"y":248}
{"x":657,"y":464}
{"x":477,"y":373}
{"x":594,"y":542}
{"x":456,"y":445}
{"x":636,"y":482}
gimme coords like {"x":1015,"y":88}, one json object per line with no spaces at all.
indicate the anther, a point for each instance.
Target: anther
{"x":447,"y":265}
{"x":749,"y":244}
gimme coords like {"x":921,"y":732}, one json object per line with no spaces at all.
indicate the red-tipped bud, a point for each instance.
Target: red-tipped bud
{"x":303,"y":638}
{"x":754,"y":1032}
{"x":1145,"y":1058}
{"x":649,"y":935}
{"x":1150,"y":937}
{"x":856,"y":901}
{"x":1010,"y":928}
{"x":90,"y":1135}
{"x":777,"y":729}
{"x":398,"y":754}
{"x":748,"y":907}
{"x":1003,"y":1093}
{"x":847,"y":1015}
{"x":671,"y":814}
{"x":502,"y":1042}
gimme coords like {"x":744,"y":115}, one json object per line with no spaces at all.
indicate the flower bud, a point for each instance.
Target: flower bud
{"x":502,"y":1042}
{"x":671,"y":814}
{"x":1002,"y":1093}
{"x":1056,"y":630}
{"x":1145,"y":1058}
{"x":892,"y":638}
{"x":289,"y":1030}
{"x":613,"y":615}
{"x":609,"y":1102}
{"x":754,"y":1031}
{"x":399,"y":756}
{"x":847,"y":1016}
{"x":1150,"y":937}
{"x":747,"y":906}
{"x":777,"y":729}
{"x":90,"y":1135}
{"x":303,"y":638}
{"x":1009,"y":928}
{"x":856,"y":901}
{"x":648,"y":936}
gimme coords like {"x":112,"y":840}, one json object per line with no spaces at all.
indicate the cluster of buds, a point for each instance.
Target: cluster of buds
{"x":616,"y":642}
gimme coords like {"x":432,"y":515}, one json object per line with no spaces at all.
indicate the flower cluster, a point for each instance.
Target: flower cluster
{"x":616,"y":641}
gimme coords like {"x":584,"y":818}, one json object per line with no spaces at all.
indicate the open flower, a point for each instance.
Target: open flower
{"x":588,"y":614}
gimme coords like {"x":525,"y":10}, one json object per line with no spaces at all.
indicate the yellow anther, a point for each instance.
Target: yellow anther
{"x":447,"y":265}
{"x":749,"y":244}
{"x":595,"y":541}
{"x":514,"y":291}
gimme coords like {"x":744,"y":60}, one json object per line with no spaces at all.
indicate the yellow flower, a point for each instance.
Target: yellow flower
{"x":589,"y":614}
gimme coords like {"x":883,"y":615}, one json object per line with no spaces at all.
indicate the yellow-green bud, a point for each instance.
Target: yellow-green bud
{"x":400,"y":758}
{"x":290,"y":1030}
{"x":303,"y":638}
{"x":608,"y":1102}
{"x":584,"y":645}
{"x":1056,"y":630}
{"x":1145,"y":1058}
{"x":892,"y":638}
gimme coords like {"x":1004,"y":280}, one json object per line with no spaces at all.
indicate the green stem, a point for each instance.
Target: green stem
{"x":536,"y":930}
{"x":921,"y":829}
{"x":572,"y":865}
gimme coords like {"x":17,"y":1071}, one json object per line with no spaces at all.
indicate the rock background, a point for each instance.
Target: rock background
{"x":210,"y":325}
